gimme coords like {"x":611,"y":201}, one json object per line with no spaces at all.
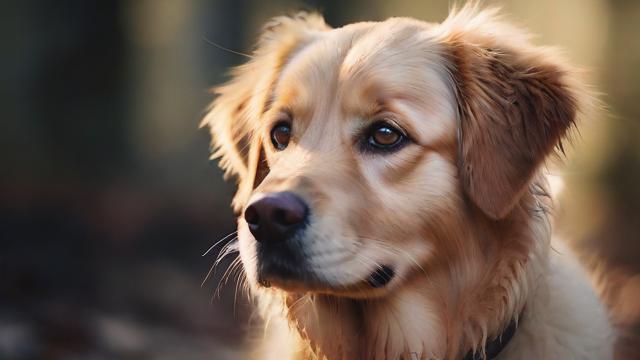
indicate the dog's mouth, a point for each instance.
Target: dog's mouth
{"x":381,"y":277}
{"x":286,"y":267}
{"x":300,"y":281}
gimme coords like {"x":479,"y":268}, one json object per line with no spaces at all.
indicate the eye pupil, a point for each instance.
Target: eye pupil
{"x":280,"y":136}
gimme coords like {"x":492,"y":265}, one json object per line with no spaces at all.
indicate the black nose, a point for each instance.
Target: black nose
{"x":276,"y":216}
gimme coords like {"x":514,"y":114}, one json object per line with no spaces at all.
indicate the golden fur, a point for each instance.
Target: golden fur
{"x":462,"y":212}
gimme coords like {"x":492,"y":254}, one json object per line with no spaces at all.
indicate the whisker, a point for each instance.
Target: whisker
{"x":239,"y":276}
{"x":218,"y":242}
{"x":208,"y":275}
{"x":226,"y":49}
{"x":228,"y":249}
{"x":225,"y":277}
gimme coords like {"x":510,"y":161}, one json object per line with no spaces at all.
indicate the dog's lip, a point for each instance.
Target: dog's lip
{"x":381,"y":276}
{"x":306,"y":283}
{"x":375,"y":282}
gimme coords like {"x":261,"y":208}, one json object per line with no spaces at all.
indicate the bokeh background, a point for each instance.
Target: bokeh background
{"x":108,"y":198}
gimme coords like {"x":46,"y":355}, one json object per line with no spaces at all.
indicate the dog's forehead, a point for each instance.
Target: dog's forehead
{"x":396,"y":57}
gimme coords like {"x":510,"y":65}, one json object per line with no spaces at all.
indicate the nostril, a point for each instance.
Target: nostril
{"x":251,"y":216}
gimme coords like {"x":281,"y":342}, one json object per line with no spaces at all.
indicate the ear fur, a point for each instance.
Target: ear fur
{"x":516,"y":102}
{"x":234,"y":115}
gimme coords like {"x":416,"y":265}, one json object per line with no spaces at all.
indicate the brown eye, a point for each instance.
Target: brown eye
{"x":280,"y":135}
{"x":385,"y":137}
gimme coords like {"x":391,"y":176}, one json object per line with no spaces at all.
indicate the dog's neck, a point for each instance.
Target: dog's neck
{"x":494,"y":347}
{"x":443,"y":316}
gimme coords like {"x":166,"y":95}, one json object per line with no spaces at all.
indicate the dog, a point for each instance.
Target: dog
{"x":392,"y":198}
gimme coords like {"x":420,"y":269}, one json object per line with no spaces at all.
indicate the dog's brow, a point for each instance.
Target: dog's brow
{"x":268,"y":102}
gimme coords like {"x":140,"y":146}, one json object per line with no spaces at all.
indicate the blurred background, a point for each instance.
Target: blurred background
{"x":108,"y":198}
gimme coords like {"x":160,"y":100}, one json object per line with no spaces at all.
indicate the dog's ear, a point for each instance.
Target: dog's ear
{"x":515,"y":103}
{"x":234,"y":116}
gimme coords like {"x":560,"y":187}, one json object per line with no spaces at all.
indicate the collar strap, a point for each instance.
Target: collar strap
{"x":495,"y":346}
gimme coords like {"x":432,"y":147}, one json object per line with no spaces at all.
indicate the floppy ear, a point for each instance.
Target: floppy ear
{"x":234,"y":116}
{"x":515,"y":104}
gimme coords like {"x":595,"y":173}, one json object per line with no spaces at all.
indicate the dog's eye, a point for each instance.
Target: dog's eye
{"x":280,"y":135}
{"x":384,"y":136}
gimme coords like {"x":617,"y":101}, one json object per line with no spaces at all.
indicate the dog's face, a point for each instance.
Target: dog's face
{"x":362,"y":136}
{"x":360,"y":150}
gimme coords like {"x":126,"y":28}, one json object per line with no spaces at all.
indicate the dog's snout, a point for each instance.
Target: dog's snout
{"x":276,"y":216}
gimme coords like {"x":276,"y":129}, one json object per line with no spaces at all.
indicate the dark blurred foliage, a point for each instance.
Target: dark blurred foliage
{"x":100,"y":240}
{"x":108,"y":199}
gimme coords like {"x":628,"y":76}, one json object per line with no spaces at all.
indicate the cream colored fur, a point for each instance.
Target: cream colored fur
{"x":462,"y":213}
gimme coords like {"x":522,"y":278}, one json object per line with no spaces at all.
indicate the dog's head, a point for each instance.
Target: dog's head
{"x":360,"y":150}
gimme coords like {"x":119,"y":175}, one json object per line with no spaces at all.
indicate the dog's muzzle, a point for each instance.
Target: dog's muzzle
{"x":276,"y":220}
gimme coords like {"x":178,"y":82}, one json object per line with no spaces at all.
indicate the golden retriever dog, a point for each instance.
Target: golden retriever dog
{"x":391,"y":195}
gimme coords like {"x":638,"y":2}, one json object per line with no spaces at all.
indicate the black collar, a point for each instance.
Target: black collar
{"x":495,"y":346}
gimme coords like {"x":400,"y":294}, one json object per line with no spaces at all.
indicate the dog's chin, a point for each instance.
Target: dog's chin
{"x":377,"y":284}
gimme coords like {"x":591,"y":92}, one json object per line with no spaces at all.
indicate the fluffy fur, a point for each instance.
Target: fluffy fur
{"x":461,"y":213}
